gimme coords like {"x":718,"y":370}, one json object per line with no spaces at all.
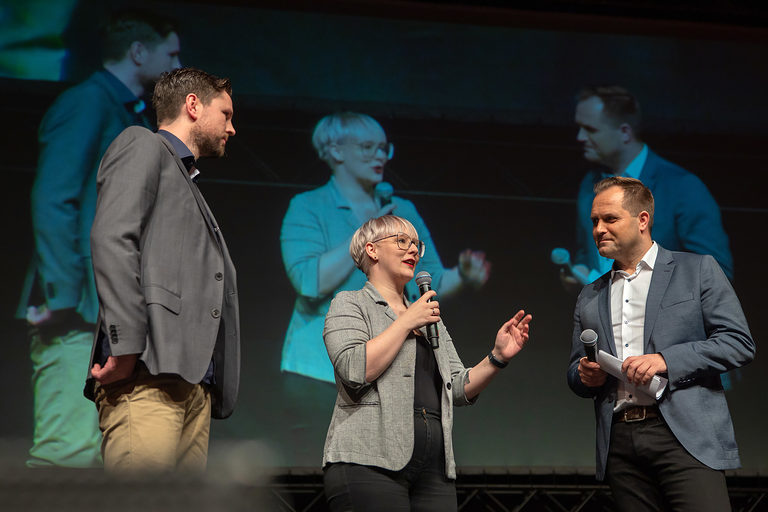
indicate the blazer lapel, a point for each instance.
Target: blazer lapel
{"x":604,"y":311}
{"x":648,"y":173}
{"x":204,"y":210}
{"x":662,"y":273}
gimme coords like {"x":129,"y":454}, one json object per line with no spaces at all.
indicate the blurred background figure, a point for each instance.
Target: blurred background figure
{"x":59,"y":297}
{"x":315,"y":236}
{"x":687,"y":217}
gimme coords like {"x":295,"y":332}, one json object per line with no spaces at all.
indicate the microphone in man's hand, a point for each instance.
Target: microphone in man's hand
{"x":382,"y":193}
{"x":424,"y":281}
{"x":589,"y":339}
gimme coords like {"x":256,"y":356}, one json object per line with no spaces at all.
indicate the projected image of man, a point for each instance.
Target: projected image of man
{"x":687,"y":217}
{"x":59,"y":297}
{"x":663,"y":313}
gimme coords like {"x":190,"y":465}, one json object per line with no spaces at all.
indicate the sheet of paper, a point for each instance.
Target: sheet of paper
{"x":612,"y":366}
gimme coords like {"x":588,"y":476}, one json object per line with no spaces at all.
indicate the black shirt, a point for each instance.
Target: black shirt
{"x":428,"y":384}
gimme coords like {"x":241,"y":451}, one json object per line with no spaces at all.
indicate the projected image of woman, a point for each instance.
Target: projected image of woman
{"x":318,"y":226}
{"x":389,"y":442}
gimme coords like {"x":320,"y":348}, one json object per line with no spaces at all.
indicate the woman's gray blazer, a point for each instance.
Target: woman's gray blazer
{"x":372,"y":422}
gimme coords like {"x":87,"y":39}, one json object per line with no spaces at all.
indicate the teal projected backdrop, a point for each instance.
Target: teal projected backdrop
{"x":480,"y":110}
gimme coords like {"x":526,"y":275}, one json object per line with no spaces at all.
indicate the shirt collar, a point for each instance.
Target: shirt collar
{"x":635,"y":167}
{"x":181,"y":149}
{"x":338,"y":198}
{"x":648,"y":261}
{"x":124,"y":94}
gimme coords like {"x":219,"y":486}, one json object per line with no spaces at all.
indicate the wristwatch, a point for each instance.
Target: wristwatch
{"x":495,"y":362}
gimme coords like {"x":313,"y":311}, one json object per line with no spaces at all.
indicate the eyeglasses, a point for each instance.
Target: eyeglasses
{"x":369,"y":149}
{"x":404,"y":242}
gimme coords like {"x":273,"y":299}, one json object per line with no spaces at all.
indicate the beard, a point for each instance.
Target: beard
{"x":207,"y":144}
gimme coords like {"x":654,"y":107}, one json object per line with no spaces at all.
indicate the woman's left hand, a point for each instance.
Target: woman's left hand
{"x":512,"y":336}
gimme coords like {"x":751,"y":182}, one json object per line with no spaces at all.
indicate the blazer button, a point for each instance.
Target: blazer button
{"x":448,"y":385}
{"x":215,"y":313}
{"x":219,"y":276}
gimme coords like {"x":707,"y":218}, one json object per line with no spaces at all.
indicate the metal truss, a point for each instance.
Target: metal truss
{"x":499,"y":491}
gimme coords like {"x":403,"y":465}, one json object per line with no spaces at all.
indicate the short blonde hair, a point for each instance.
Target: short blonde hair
{"x":335,"y":128}
{"x":373,"y":230}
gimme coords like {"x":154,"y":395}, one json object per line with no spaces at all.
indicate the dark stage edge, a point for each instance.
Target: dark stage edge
{"x":300,"y":489}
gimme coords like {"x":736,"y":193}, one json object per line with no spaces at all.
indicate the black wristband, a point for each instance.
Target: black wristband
{"x":495,"y":362}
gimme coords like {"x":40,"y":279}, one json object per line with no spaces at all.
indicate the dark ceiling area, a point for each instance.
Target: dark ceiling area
{"x":733,"y":13}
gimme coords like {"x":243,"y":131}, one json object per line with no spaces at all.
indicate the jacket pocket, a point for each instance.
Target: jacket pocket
{"x":161,"y":296}
{"x":667,"y":302}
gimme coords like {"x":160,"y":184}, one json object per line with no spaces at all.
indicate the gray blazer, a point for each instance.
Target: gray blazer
{"x":372,"y":422}
{"x":164,"y":277}
{"x":692,"y":318}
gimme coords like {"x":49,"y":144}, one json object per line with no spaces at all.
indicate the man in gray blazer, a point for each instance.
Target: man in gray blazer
{"x":166,"y":354}
{"x":58,"y":300}
{"x":664,"y":313}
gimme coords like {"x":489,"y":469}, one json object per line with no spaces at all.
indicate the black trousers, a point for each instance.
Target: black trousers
{"x":420,"y":486}
{"x":649,"y":470}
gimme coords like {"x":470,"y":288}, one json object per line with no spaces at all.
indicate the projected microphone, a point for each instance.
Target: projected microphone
{"x":589,"y":339}
{"x":382,"y":193}
{"x":562,"y":258}
{"x":424,"y":280}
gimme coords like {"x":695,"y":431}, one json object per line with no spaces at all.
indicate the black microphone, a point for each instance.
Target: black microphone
{"x":424,"y":280}
{"x":382,"y":193}
{"x":589,"y":339}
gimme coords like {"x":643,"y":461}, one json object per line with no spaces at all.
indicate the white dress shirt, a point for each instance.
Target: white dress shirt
{"x":628,"y":298}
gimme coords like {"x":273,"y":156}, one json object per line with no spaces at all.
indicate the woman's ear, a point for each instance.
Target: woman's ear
{"x":370,"y":250}
{"x":337,"y":155}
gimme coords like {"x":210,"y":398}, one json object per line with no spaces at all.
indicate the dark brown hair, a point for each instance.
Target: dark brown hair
{"x":637,"y":197}
{"x":173,"y":87}
{"x":125,"y":27}
{"x":618,"y":104}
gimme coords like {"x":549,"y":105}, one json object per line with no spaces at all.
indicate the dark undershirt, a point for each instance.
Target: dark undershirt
{"x":428,"y":384}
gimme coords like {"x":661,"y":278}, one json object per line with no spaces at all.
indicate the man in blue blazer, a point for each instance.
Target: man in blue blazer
{"x":59,"y":297}
{"x":687,"y":217}
{"x":664,"y":313}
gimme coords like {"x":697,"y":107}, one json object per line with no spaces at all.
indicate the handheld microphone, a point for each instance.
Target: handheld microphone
{"x":424,"y":280}
{"x":382,"y":193}
{"x":589,"y":339}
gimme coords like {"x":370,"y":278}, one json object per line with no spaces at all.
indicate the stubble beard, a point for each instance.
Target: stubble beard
{"x":207,"y":144}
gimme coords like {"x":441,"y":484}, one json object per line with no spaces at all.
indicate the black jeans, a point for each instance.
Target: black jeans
{"x":649,"y":470}
{"x":420,"y":486}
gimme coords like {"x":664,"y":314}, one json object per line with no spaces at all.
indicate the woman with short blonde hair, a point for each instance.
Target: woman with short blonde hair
{"x":389,"y":442}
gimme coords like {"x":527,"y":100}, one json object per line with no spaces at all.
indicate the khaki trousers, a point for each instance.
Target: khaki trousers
{"x":154,"y":423}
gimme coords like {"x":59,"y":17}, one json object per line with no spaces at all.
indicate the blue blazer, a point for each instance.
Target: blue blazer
{"x":692,"y":318}
{"x":687,"y":218}
{"x":73,"y":135}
